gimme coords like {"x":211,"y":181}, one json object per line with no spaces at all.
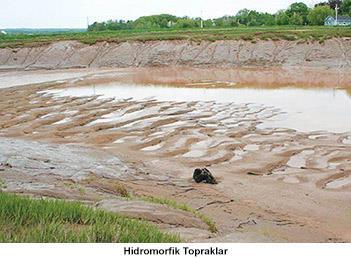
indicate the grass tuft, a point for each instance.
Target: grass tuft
{"x":121,"y":189}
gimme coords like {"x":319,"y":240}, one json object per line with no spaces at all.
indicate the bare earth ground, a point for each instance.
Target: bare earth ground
{"x":330,"y":54}
{"x":275,"y":185}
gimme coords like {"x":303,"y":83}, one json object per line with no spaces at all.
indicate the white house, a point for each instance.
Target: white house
{"x":3,"y":32}
{"x":340,"y":21}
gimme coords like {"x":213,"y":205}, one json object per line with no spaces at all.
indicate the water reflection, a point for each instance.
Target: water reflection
{"x":306,"y":109}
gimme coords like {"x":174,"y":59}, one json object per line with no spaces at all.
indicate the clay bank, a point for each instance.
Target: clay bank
{"x":333,"y":53}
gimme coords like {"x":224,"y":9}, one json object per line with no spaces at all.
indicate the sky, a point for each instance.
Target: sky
{"x":74,"y":13}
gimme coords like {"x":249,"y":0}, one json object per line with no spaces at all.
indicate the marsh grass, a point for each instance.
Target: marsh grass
{"x":110,"y":186}
{"x":28,"y":220}
{"x":290,"y":33}
{"x":181,"y":206}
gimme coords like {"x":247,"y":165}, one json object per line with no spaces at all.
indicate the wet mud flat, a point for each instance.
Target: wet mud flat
{"x":276,"y":184}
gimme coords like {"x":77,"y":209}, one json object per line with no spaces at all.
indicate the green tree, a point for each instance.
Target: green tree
{"x":317,"y":15}
{"x":209,"y":23}
{"x":297,"y":10}
{"x":322,"y":4}
{"x":253,"y":18}
{"x":333,"y":3}
{"x":226,"y":21}
{"x":243,"y":16}
{"x":97,"y":26}
{"x":282,"y":18}
{"x":267,"y":19}
{"x":296,"y":19}
{"x":154,"y":21}
{"x":346,"y":7}
{"x":186,"y":22}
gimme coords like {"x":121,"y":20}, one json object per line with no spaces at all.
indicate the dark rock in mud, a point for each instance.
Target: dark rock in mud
{"x":253,"y":174}
{"x":203,"y":175}
{"x":8,"y":165}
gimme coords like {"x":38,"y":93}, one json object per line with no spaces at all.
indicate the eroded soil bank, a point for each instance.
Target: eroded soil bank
{"x":333,"y":53}
{"x":275,"y":184}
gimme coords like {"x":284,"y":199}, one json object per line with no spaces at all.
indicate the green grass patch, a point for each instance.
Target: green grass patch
{"x":209,"y":34}
{"x":181,"y":206}
{"x":42,"y":221}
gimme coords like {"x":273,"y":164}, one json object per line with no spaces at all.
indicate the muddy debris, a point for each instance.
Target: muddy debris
{"x":253,"y":173}
{"x":203,"y":175}
{"x":5,"y":165}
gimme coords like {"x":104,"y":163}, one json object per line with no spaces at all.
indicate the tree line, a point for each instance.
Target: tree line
{"x":296,"y":14}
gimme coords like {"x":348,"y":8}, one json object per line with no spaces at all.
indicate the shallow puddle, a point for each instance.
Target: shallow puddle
{"x":347,"y":140}
{"x":339,"y":183}
{"x":301,"y":109}
{"x":153,"y":147}
{"x":299,"y":160}
{"x":194,"y":154}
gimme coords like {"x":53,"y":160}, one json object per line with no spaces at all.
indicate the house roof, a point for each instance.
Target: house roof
{"x":344,"y":19}
{"x":340,"y":18}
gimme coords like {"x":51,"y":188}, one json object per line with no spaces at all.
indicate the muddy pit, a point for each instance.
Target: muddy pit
{"x":281,"y":152}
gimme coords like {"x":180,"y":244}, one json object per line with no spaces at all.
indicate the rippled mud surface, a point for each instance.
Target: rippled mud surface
{"x":275,"y":183}
{"x":301,"y":109}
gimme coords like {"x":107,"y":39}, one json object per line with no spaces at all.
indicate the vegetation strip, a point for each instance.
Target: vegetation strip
{"x":291,"y":33}
{"x":29,"y":220}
